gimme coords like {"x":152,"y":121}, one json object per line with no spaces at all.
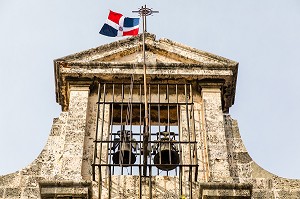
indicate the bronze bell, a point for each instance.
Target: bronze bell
{"x":166,"y":153}
{"x":124,"y":155}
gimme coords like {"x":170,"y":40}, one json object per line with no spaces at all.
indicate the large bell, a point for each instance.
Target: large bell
{"x":166,"y":157}
{"x":124,"y":154}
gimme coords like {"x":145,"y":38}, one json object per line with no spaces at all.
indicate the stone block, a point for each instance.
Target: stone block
{"x":220,"y":176}
{"x":55,"y":130}
{"x":220,"y":165}
{"x":245,"y":170}
{"x":75,"y":137}
{"x":71,"y":167}
{"x":216,"y":138}
{"x":33,"y":193}
{"x":234,"y":171}
{"x":290,"y":194}
{"x":13,"y":193}
{"x":228,"y":132}
{"x":73,"y":150}
{"x":263,"y":194}
{"x":213,"y":126}
{"x":242,"y":192}
{"x":240,"y":157}
{"x":259,"y":172}
{"x":47,"y":168}
{"x":78,"y":112}
{"x":44,"y":156}
{"x":235,"y":129}
{"x":217,"y":152}
{"x":2,"y":192}
{"x":75,"y":125}
{"x":10,"y":180}
{"x":259,"y":183}
{"x":30,"y":181}
{"x":61,"y":119}
{"x":33,"y":169}
{"x":282,"y":183}
{"x":56,"y":120}
{"x":237,"y":145}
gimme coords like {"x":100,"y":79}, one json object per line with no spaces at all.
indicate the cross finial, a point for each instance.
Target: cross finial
{"x":144,"y":12}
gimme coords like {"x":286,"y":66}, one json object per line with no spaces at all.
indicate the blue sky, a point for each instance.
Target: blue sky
{"x":263,"y":36}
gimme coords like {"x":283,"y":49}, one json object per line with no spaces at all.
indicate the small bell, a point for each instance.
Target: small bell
{"x":125,"y":144}
{"x":166,"y":153}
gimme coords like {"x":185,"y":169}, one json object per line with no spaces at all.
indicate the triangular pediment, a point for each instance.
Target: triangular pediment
{"x":166,"y":61}
{"x":129,"y":51}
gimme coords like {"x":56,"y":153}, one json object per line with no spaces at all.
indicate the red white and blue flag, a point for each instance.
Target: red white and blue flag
{"x":117,"y":25}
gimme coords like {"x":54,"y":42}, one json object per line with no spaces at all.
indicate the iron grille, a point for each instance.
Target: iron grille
{"x":171,"y":146}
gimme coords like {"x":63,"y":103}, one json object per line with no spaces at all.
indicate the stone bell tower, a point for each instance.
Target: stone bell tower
{"x":100,"y":147}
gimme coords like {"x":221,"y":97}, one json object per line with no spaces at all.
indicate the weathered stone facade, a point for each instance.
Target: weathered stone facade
{"x":225,"y":169}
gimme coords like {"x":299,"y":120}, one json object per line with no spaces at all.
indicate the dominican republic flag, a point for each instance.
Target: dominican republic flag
{"x":117,"y":25}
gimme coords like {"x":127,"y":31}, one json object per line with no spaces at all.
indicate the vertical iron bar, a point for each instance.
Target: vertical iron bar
{"x":149,"y":112}
{"x":111,"y":125}
{"x":190,"y":182}
{"x":179,"y":137}
{"x":194,"y":133}
{"x":99,"y":184}
{"x":101,"y":135}
{"x":149,"y":142}
{"x":121,"y":135}
{"x":175,"y":138}
{"x":130,"y":122}
{"x":150,"y":181}
{"x":168,"y":125}
{"x":146,"y":133}
{"x":158,"y":110}
{"x":109,"y":144}
{"x":188,"y":122}
{"x":141,"y":101}
{"x":109,"y":182}
{"x":140,"y":142}
{"x":140,"y":185}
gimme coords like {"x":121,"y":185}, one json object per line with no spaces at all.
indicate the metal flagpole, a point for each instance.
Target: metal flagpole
{"x":144,"y":12}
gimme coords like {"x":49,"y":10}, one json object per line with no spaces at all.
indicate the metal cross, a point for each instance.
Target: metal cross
{"x":144,"y":12}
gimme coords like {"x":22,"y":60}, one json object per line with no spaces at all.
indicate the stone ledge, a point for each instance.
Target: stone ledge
{"x":66,"y":188}
{"x":230,"y":190}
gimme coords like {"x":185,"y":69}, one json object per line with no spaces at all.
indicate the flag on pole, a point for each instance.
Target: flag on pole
{"x":117,"y":25}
